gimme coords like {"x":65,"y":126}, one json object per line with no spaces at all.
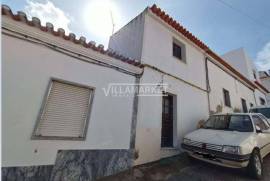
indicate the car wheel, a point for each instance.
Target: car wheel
{"x":255,"y":166}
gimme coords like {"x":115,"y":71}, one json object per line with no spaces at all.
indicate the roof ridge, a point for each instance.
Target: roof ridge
{"x":178,"y":27}
{"x":49,"y":28}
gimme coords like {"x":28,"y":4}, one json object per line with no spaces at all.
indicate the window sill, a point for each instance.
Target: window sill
{"x":181,"y":60}
{"x":34,"y":137}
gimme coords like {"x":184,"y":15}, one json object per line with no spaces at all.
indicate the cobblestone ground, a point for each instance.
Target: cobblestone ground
{"x":179,"y":168}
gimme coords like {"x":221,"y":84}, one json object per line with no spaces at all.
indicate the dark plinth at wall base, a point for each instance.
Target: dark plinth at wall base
{"x":74,"y":165}
{"x":31,"y":173}
{"x":77,"y":165}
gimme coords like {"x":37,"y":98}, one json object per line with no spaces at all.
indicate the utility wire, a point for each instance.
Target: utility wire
{"x":244,"y":14}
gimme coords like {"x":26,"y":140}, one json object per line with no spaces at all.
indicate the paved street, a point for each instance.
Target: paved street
{"x":203,"y":171}
{"x":181,"y":169}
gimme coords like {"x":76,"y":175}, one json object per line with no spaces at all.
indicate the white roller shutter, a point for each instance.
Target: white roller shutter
{"x":65,"y":112}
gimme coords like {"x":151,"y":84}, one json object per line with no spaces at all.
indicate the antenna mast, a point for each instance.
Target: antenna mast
{"x":112,"y":22}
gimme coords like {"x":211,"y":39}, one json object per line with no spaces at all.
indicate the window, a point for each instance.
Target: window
{"x":167,"y":130}
{"x":262,"y":101}
{"x":65,"y":111}
{"x":259,"y":122}
{"x":244,"y":105}
{"x":227,"y":100}
{"x":179,"y":50}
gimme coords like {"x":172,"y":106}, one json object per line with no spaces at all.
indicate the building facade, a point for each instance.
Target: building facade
{"x":243,"y":63}
{"x":58,"y":120}
{"x":55,"y":111}
{"x":198,"y":80}
{"x":265,"y":80}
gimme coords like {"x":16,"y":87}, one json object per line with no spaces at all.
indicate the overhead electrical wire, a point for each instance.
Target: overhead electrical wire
{"x":244,"y":14}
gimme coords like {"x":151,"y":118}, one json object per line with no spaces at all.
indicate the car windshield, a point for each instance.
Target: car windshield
{"x":264,"y":111}
{"x":240,"y":123}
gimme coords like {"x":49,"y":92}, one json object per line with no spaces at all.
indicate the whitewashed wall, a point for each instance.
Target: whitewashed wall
{"x":266,"y":83}
{"x":191,"y":107}
{"x":258,"y":95}
{"x":157,"y":52}
{"x":27,"y":69}
{"x":128,"y":40}
{"x":219,"y":79}
{"x":242,"y":62}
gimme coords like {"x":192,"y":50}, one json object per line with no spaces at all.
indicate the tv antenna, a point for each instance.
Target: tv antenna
{"x":112,"y":22}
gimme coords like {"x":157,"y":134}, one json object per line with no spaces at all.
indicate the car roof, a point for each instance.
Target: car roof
{"x":231,"y":114}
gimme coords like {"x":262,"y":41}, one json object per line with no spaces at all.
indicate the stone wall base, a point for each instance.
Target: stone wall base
{"x":74,"y":165}
{"x":32,"y":173}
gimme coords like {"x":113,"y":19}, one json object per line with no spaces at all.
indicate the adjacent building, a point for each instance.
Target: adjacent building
{"x":58,"y":121}
{"x":243,"y":63}
{"x":265,"y":80}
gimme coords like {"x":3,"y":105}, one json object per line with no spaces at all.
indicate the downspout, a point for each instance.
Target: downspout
{"x":133,"y":128}
{"x":134,"y":114}
{"x":208,"y":89}
{"x":255,"y":97}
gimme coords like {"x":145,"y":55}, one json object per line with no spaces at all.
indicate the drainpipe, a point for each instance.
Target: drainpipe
{"x":255,"y":97}
{"x":207,"y":84}
{"x":134,"y":113}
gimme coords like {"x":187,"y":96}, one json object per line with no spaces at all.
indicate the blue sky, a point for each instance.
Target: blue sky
{"x":246,"y":24}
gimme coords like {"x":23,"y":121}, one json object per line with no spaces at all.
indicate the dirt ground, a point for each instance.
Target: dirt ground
{"x":180,"y":168}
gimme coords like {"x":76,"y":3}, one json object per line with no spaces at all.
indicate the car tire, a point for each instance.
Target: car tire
{"x":255,"y":167}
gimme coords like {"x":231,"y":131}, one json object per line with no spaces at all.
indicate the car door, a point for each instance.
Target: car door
{"x":263,"y":138}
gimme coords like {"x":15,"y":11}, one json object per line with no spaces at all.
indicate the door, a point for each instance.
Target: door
{"x":244,"y":105}
{"x":263,"y":138}
{"x":167,"y":121}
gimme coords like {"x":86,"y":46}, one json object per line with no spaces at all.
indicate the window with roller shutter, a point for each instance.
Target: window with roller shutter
{"x":65,"y":111}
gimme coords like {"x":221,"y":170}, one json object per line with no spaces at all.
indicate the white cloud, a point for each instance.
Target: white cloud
{"x":48,"y":12}
{"x":263,"y":58}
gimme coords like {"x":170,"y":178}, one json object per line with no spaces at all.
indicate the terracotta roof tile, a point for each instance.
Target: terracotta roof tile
{"x":49,"y":28}
{"x":169,"y":20}
{"x":261,"y":86}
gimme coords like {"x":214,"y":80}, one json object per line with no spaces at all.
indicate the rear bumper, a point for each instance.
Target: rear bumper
{"x":217,"y":157}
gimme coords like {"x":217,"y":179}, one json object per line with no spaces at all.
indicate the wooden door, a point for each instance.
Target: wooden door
{"x":167,"y":121}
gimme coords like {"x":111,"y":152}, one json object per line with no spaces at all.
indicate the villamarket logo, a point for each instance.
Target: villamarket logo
{"x":128,"y":89}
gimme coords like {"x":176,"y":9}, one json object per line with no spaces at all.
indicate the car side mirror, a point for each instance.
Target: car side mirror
{"x":258,"y":129}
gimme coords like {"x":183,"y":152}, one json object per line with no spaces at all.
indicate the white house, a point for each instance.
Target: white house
{"x":265,"y":80}
{"x":200,"y":82}
{"x":55,"y":111}
{"x":243,"y":63}
{"x":58,"y":121}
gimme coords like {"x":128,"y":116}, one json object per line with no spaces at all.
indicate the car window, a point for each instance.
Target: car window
{"x":216,"y":122}
{"x":259,"y":122}
{"x":265,"y":121}
{"x":264,"y":111}
{"x":240,"y":123}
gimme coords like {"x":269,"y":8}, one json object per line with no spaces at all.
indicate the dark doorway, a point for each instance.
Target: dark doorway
{"x":167,"y":121}
{"x":244,"y":105}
